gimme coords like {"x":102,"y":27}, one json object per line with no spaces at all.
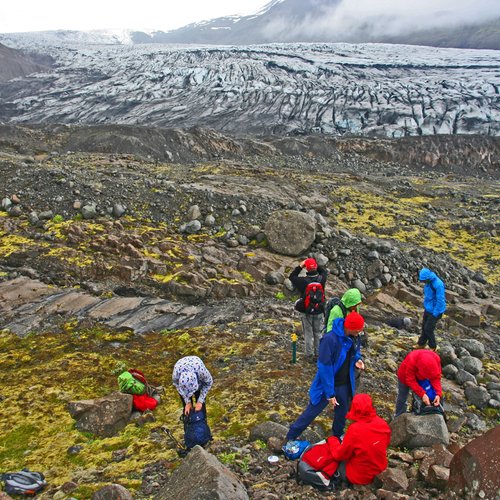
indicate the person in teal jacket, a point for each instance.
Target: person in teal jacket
{"x":434,"y":306}
{"x":334,"y":383}
{"x":351,"y":300}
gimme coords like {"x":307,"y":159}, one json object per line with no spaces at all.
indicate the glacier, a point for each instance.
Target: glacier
{"x":335,"y":88}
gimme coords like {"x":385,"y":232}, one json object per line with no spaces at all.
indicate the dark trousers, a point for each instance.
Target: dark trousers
{"x":403,"y":391}
{"x":196,"y":395}
{"x":343,"y":395}
{"x":428,"y":326}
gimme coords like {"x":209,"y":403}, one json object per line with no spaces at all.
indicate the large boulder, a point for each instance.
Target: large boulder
{"x":414,"y":431}
{"x":474,"y":468}
{"x":104,"y":416}
{"x":290,"y":232}
{"x":201,"y":476}
{"x":474,"y":347}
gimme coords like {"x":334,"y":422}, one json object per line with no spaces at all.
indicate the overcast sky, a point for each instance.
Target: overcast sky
{"x":386,"y":16}
{"x":40,"y":15}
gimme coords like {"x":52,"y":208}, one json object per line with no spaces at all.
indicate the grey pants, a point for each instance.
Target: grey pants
{"x":403,"y":391}
{"x":312,"y":325}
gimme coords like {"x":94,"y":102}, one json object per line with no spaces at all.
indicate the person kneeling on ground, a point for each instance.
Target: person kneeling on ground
{"x":363,"y":451}
{"x":418,"y":365}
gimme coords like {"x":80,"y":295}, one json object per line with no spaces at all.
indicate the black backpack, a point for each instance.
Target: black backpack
{"x":330,"y":304}
{"x":23,"y":482}
{"x":419,"y":408}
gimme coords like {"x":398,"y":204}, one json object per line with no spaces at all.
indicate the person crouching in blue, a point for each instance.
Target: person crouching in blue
{"x":334,"y":383}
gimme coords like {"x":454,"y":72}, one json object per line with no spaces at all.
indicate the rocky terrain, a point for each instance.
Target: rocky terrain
{"x":127,"y":247}
{"x":340,"y":89}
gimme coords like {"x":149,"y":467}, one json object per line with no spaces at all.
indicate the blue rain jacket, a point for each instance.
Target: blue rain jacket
{"x":434,"y":294}
{"x":333,"y":349}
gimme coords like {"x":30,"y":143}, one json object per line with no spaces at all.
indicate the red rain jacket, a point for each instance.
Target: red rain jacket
{"x":418,"y":365}
{"x":364,"y":448}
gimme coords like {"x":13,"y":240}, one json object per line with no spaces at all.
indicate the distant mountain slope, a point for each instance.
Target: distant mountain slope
{"x":290,"y":21}
{"x":482,"y":36}
{"x":14,"y":63}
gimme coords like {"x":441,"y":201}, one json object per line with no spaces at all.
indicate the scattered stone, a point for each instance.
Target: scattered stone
{"x":112,"y":492}
{"x":213,"y":480}
{"x":118,"y":210}
{"x":471,"y":364}
{"x":476,"y":395}
{"x":191,"y":227}
{"x":450,"y":372}
{"x":462,"y":376}
{"x":89,"y":211}
{"x":393,"y":479}
{"x":194,"y":213}
{"x":438,"y":476}
{"x":455,"y":422}
{"x":474,"y":347}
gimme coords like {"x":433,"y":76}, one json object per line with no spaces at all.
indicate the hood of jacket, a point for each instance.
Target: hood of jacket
{"x":426,"y":275}
{"x":351,"y":298}
{"x":428,"y":364}
{"x":361,"y":408}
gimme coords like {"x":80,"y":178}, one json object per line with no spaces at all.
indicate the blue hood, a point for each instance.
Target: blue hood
{"x":426,"y":274}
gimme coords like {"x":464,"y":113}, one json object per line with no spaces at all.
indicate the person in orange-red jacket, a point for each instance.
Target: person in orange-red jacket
{"x":418,"y":365}
{"x":363,"y":452}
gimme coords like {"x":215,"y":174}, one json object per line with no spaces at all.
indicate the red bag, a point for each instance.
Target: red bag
{"x":138,"y":375}
{"x":144,"y":402}
{"x":319,"y":457}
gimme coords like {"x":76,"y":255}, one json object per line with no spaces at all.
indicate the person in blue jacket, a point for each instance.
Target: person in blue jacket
{"x":334,"y":383}
{"x":434,"y":306}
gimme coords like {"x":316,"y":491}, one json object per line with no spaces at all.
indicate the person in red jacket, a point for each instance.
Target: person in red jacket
{"x":418,"y":365}
{"x":363,"y":452}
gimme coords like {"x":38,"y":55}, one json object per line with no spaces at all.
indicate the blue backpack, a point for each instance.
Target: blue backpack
{"x":294,"y":449}
{"x":196,"y":429}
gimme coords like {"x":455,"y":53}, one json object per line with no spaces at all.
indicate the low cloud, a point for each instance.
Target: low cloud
{"x":348,"y":19}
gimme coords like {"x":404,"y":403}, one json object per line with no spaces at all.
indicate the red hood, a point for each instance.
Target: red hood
{"x":428,"y":365}
{"x":361,"y":408}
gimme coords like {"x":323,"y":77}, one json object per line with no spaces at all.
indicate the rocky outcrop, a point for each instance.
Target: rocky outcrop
{"x":202,"y":476}
{"x":474,"y":469}
{"x":104,"y":416}
{"x":414,"y":431}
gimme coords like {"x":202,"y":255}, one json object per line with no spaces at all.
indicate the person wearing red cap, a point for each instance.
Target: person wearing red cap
{"x":334,"y":383}
{"x":418,"y":365}
{"x":363,"y":452}
{"x":312,"y":324}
